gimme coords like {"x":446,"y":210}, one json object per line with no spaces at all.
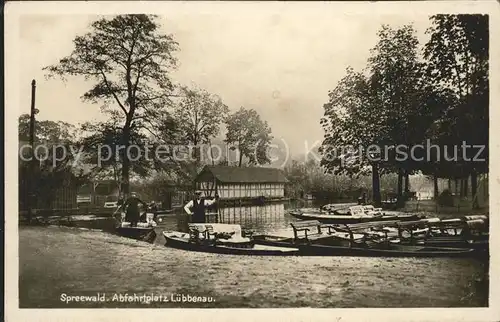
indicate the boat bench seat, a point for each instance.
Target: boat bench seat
{"x":368,"y":229}
{"x":372,"y":225}
{"x":306,"y":226}
{"x":195,"y":233}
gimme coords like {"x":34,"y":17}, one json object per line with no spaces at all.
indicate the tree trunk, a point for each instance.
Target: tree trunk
{"x":436,"y":188}
{"x":125,"y":159}
{"x":241,"y":159}
{"x":376,"y":186}
{"x":400,"y":187}
{"x":407,"y":185}
{"x":473,"y":184}
{"x":211,"y":153}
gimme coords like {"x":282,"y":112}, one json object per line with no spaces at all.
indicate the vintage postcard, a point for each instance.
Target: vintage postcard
{"x":329,"y":160}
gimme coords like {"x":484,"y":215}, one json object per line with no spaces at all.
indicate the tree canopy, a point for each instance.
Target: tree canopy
{"x":408,"y":96}
{"x":128,"y":59}
{"x":248,"y":133}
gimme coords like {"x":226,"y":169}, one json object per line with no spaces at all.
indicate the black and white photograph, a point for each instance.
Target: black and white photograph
{"x":251,"y":155}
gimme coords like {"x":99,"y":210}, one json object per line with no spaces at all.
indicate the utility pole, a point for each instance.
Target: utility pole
{"x":31,"y":187}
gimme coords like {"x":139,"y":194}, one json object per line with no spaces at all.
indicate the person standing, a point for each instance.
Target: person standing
{"x":132,"y":209}
{"x":196,"y":208}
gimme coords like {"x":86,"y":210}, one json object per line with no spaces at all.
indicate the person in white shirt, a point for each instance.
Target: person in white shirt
{"x":196,"y":207}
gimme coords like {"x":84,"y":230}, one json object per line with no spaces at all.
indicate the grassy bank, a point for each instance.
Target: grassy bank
{"x":56,"y":260}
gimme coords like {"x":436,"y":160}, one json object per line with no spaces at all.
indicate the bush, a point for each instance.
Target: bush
{"x":446,"y":198}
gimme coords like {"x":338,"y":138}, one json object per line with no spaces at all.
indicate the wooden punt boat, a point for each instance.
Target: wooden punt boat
{"x":140,"y":233}
{"x":183,"y":241}
{"x":429,"y":232}
{"x":457,"y":232}
{"x":144,"y":231}
{"x":355,"y":240}
{"x":353,"y":216}
{"x":390,"y":250}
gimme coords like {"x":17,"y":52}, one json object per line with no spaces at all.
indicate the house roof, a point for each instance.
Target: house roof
{"x":229,"y":174}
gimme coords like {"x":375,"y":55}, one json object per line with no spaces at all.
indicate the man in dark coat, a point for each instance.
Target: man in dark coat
{"x":132,"y":209}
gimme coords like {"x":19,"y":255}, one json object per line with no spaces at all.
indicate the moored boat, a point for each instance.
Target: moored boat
{"x":388,"y":250}
{"x":222,"y":239}
{"x":143,"y":231}
{"x":377,"y":239}
{"x":147,"y":234}
{"x":355,"y":214}
{"x":465,"y":232}
{"x":391,"y":251}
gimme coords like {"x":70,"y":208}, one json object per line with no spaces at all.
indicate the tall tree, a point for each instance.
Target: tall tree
{"x":458,"y":56}
{"x":248,"y":133}
{"x":129,"y":61}
{"x":352,"y":124}
{"x":389,"y":104}
{"x":198,"y":116}
{"x":402,"y":93}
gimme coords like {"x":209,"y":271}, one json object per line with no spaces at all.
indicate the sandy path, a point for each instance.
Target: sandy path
{"x":66,"y":260}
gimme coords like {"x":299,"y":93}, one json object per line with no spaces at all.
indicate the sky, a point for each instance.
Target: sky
{"x":281,"y":65}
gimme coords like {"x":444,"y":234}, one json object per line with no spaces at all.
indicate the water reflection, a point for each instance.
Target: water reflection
{"x":269,"y":218}
{"x":260,"y":219}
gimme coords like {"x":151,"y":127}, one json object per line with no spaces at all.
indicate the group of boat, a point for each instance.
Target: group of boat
{"x":334,"y":230}
{"x":350,"y":214}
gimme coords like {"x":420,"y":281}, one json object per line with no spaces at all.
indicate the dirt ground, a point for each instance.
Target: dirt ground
{"x":54,"y":261}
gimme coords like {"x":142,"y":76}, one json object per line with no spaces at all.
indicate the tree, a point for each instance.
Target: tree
{"x":46,"y":131}
{"x":389,"y":104}
{"x":297,"y":176}
{"x":457,"y":55}
{"x":352,"y":123}
{"x":56,"y":153}
{"x":101,"y":146}
{"x":250,"y":135}
{"x":129,"y":62}
{"x":401,"y":92}
{"x":198,"y":116}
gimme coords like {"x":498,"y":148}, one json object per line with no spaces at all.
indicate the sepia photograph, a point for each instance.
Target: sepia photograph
{"x":251,"y":155}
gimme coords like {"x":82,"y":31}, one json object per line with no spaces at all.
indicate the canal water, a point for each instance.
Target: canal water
{"x":271,"y":218}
